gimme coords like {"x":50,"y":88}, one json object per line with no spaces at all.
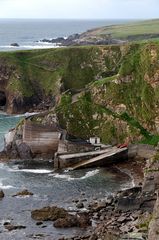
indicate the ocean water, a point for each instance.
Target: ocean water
{"x":50,"y":187}
{"x":27,"y":33}
{"x":6,"y":123}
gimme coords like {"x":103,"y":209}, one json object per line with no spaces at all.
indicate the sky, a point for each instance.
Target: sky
{"x":80,"y":9}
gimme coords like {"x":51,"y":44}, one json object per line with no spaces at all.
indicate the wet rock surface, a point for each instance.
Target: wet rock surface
{"x":23,"y":193}
{"x":11,"y":227}
{"x":49,"y":214}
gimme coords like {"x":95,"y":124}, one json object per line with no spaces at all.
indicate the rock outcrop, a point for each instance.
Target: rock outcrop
{"x":49,"y":214}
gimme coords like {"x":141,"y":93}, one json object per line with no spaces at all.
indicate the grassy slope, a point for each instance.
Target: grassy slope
{"x":131,"y":29}
{"x":46,"y":70}
{"x":122,"y":106}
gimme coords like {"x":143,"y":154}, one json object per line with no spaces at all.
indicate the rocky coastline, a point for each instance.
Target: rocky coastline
{"x":127,"y":214}
{"x":83,"y":40}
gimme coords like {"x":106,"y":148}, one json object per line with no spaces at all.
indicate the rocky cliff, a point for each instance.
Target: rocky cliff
{"x":107,"y":91}
{"x":34,"y":79}
{"x":120,"y":108}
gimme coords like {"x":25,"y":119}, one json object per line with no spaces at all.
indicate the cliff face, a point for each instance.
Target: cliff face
{"x":120,"y":108}
{"x":113,"y":90}
{"x":30,"y":78}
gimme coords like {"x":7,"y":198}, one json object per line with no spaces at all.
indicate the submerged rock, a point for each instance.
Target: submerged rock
{"x":11,"y":227}
{"x":49,"y":214}
{"x":23,"y":193}
{"x":14,"y":44}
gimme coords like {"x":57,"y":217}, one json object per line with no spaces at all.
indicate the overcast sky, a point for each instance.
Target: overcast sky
{"x":102,"y":9}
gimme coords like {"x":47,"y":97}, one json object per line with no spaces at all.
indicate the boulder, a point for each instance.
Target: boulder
{"x":49,"y":214}
{"x":67,"y":222}
{"x":1,"y":194}
{"x":81,"y":220}
{"x":129,"y":199}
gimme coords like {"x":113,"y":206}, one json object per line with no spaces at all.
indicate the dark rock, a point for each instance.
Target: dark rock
{"x":100,"y":205}
{"x":67,"y":222}
{"x":121,"y":219}
{"x":82,"y":220}
{"x":83,"y":193}
{"x":1,"y":194}
{"x":49,"y":214}
{"x":11,"y":227}
{"x":24,"y":151}
{"x":80,"y":205}
{"x":23,"y":193}
{"x":39,"y":223}
{"x":14,"y":44}
{"x":129,"y":199}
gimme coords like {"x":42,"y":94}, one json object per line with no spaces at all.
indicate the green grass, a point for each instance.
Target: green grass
{"x":131,"y":29}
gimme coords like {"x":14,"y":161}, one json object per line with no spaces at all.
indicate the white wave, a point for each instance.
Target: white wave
{"x":44,"y":46}
{"x":90,"y":174}
{"x":69,"y":178}
{"x":6,"y":186}
{"x":3,"y":186}
{"x":3,"y":166}
{"x":27,"y":114}
{"x":37,"y":171}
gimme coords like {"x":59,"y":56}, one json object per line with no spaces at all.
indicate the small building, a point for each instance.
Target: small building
{"x":94,"y":140}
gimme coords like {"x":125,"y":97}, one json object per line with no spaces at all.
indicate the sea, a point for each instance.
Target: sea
{"x":49,"y":187}
{"x":28,"y":32}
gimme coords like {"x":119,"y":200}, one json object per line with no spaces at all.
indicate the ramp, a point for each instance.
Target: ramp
{"x":111,"y":156}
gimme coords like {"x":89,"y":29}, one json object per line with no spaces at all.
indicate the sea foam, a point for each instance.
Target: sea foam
{"x":69,"y":178}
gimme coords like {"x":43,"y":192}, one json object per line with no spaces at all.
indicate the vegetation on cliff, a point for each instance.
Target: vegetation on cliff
{"x":108,"y":91}
{"x":120,"y":108}
{"x":33,"y":76}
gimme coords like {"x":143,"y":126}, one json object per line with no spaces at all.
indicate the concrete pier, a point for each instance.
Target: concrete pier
{"x":91,"y":159}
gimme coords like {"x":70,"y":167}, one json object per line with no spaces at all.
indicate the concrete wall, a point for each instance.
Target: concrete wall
{"x":141,"y":151}
{"x":41,"y":139}
{"x":74,"y":147}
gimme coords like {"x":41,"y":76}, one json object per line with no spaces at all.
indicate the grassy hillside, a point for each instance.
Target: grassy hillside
{"x":73,"y":67}
{"x":126,"y":31}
